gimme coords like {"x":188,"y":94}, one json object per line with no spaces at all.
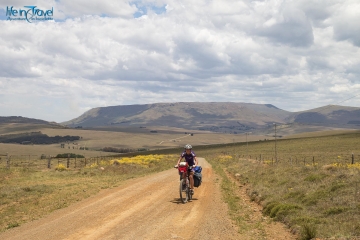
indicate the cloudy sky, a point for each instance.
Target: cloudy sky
{"x":295,"y":55}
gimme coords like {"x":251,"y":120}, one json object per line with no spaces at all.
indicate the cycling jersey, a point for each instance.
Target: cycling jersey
{"x":189,"y":158}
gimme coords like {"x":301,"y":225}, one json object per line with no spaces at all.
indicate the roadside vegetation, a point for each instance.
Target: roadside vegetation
{"x":31,"y":193}
{"x":313,"y":187}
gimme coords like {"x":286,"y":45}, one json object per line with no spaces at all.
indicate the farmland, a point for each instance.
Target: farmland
{"x":128,"y":138}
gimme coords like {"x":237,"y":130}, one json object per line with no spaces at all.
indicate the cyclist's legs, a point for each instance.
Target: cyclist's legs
{"x":184,"y":175}
{"x":191,"y":176}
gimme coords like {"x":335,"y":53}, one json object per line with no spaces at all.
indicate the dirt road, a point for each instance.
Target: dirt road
{"x":144,"y":208}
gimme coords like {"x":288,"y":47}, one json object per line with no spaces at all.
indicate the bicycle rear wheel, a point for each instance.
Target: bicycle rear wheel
{"x":184,"y":196}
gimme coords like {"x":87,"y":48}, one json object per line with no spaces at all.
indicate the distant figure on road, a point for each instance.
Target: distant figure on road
{"x":190,"y":158}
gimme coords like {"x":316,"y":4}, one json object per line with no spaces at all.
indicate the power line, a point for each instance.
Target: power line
{"x":338,"y":103}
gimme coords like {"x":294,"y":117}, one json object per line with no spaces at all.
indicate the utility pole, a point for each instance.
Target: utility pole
{"x":275,"y":145}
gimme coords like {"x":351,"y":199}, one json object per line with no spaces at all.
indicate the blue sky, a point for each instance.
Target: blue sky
{"x":295,"y":55}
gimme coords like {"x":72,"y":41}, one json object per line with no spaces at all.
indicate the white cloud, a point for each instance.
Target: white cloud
{"x":287,"y":53}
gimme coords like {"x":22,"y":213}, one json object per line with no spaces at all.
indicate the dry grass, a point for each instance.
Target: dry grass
{"x":319,"y":199}
{"x":30,"y":193}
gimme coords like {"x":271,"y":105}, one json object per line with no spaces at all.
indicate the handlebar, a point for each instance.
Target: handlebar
{"x":189,"y":167}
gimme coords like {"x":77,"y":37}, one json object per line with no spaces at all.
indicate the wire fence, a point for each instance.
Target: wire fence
{"x":47,"y":162}
{"x":304,"y":159}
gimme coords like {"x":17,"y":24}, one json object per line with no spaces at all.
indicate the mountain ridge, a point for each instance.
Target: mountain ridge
{"x":214,"y":116}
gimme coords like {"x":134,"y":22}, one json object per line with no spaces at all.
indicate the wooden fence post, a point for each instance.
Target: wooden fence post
{"x":313,"y":161}
{"x":352,"y":158}
{"x":49,"y":162}
{"x":68,"y":161}
{"x":75,"y":163}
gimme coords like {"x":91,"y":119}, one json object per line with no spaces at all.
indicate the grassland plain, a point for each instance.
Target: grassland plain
{"x":31,"y":193}
{"x":95,"y":140}
{"x":313,"y":187}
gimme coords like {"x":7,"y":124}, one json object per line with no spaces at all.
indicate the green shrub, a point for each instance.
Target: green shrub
{"x":314,"y":197}
{"x":295,"y":195}
{"x":27,"y":189}
{"x":280,"y":210}
{"x":335,"y":210}
{"x":315,"y":177}
{"x":12,"y":225}
{"x":337,"y":186}
{"x":308,"y":232}
{"x":71,"y":155}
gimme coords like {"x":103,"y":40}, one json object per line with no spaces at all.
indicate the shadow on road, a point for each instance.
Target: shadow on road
{"x":178,"y":200}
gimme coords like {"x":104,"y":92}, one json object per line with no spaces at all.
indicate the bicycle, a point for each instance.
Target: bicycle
{"x":185,"y":192}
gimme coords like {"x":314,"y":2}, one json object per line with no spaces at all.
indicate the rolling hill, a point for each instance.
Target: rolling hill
{"x":17,"y":124}
{"x":216,"y":116}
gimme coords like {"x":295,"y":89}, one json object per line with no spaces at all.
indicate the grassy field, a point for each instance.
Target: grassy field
{"x":319,"y":198}
{"x":95,"y":140}
{"x":312,"y":187}
{"x":31,"y":193}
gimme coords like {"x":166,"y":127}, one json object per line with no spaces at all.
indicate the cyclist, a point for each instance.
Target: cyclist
{"x":190,"y":158}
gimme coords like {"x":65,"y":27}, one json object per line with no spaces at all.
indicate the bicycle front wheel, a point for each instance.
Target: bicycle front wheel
{"x":188,"y":192}
{"x":183,"y":192}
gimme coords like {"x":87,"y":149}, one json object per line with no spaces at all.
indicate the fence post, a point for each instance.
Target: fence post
{"x":313,"y":161}
{"x":352,"y":158}
{"x":75,"y":162}
{"x":49,"y":162}
{"x":7,"y":161}
{"x":68,"y":161}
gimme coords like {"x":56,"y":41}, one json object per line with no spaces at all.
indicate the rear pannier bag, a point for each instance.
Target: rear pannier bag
{"x":197,"y":179}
